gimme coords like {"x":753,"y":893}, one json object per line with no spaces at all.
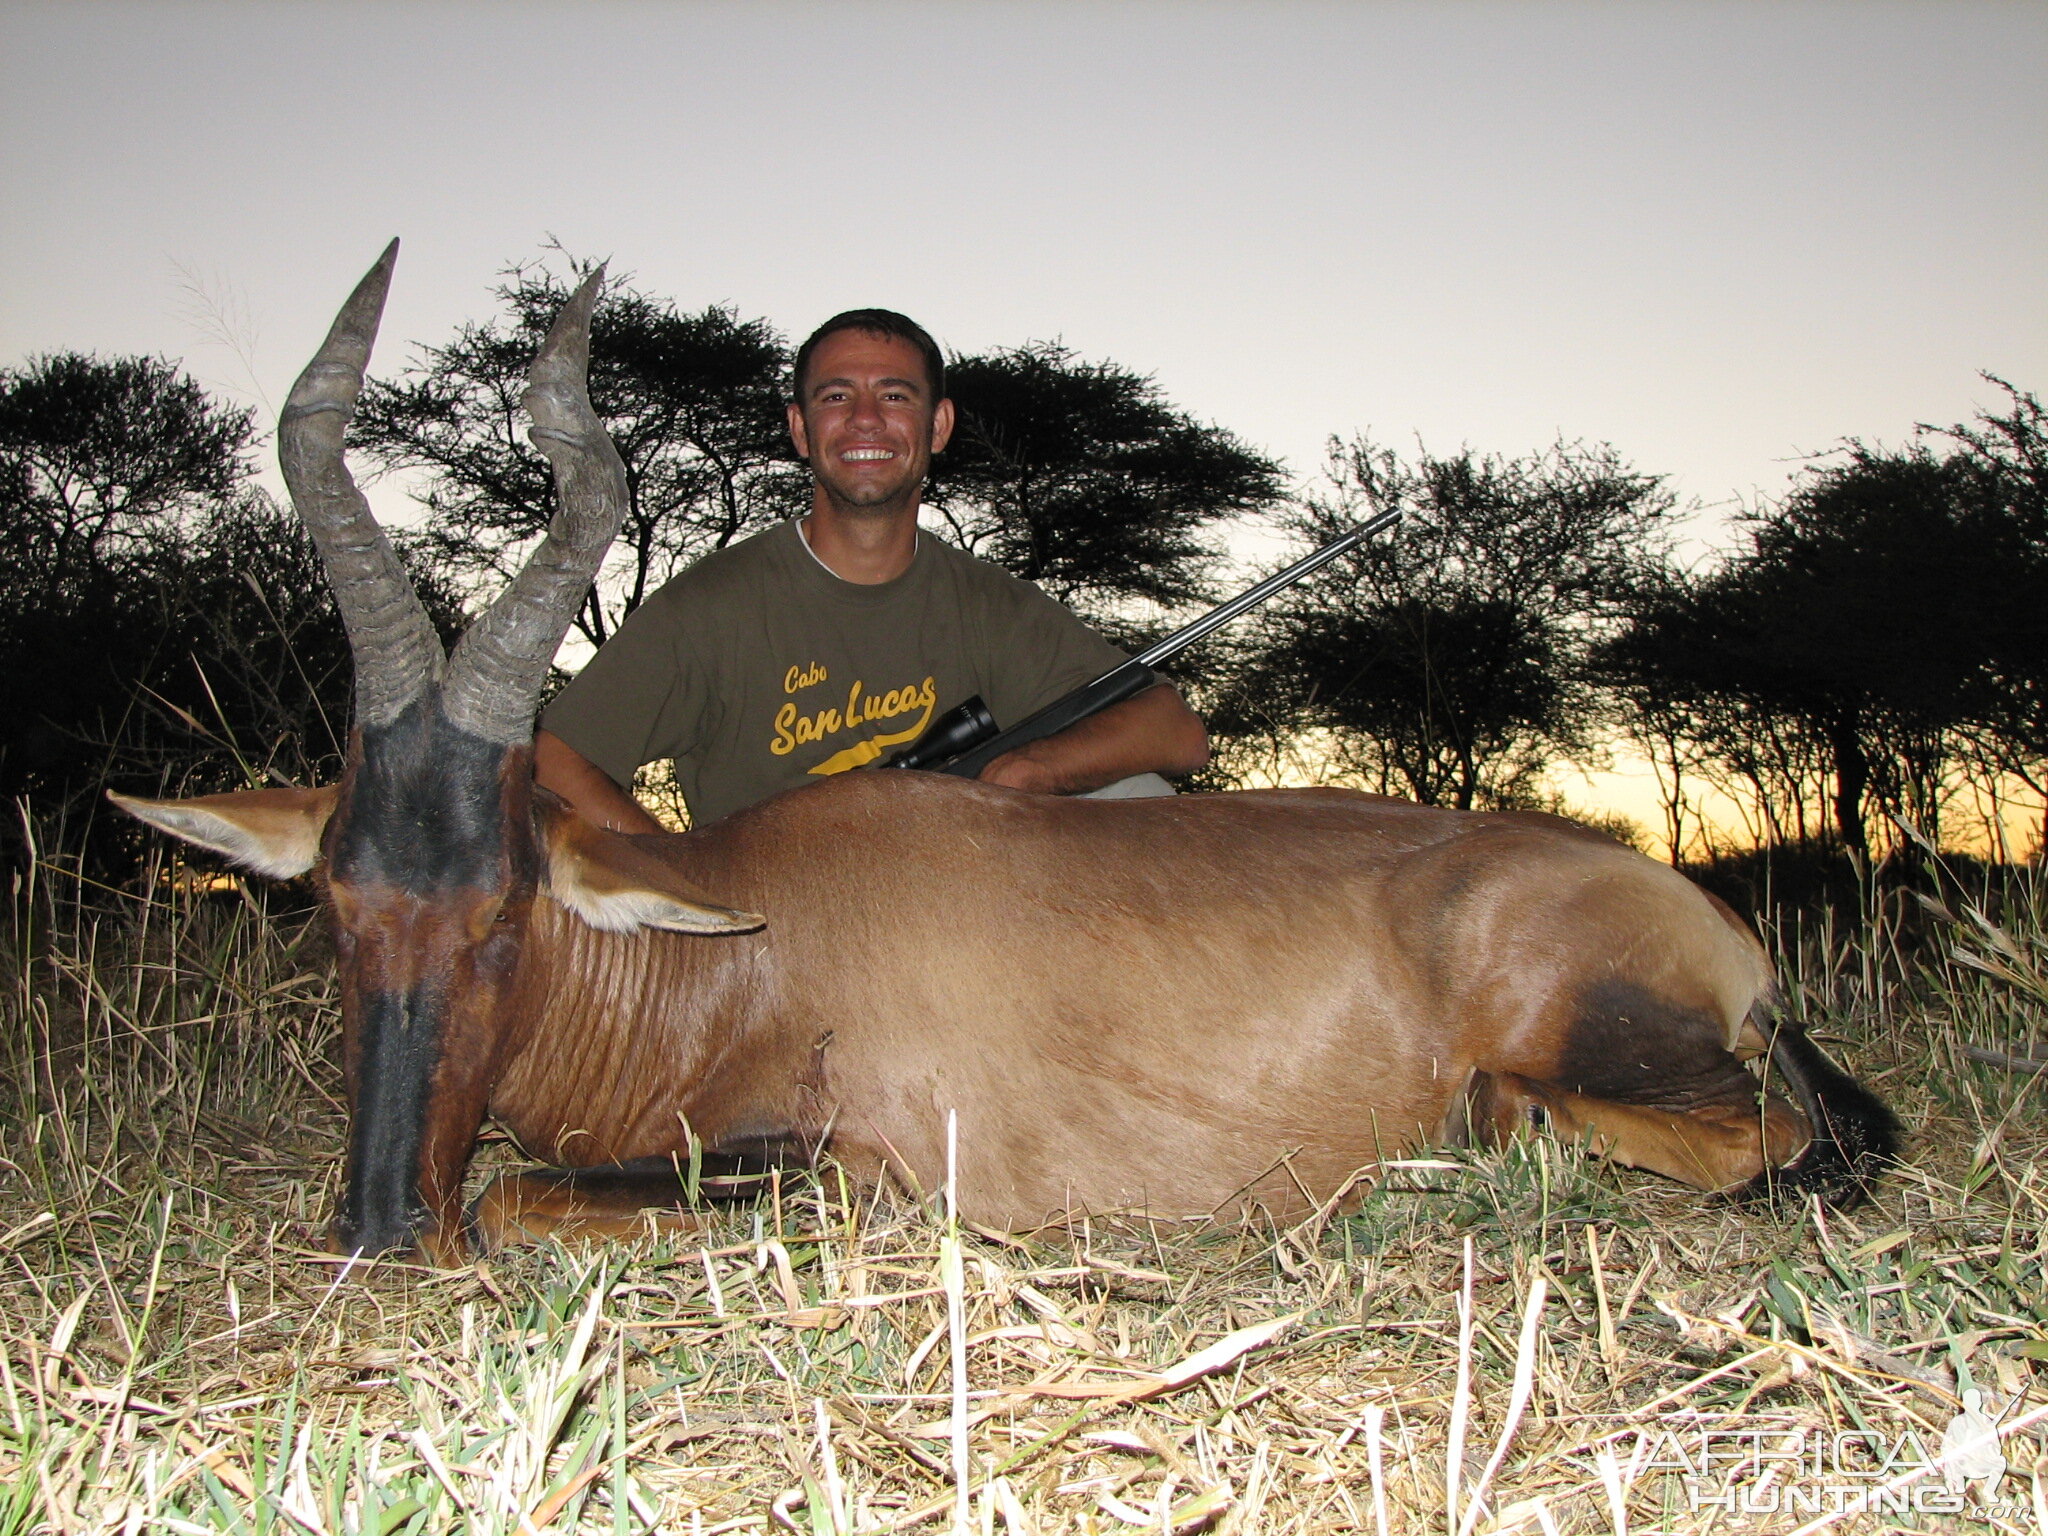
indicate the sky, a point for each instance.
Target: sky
{"x":1720,"y":236}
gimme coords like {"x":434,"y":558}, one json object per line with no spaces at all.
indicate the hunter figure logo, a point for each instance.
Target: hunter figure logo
{"x":1969,"y":1449}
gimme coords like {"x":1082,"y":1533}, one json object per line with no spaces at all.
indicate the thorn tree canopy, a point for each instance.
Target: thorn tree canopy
{"x":1083,"y":478}
{"x":98,"y":452}
{"x":1447,"y":661}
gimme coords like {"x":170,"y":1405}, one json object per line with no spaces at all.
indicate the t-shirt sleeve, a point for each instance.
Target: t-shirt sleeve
{"x":641,"y":698}
{"x":1040,"y":652}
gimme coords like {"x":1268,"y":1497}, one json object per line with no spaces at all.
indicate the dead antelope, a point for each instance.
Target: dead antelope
{"x":1192,"y":1005}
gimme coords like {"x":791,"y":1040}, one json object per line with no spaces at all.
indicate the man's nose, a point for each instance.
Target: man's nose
{"x":867,"y":409}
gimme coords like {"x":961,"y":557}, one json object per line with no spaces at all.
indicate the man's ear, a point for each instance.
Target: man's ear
{"x":942,"y":425}
{"x":614,"y":883}
{"x":274,"y":832}
{"x":799,"y":433}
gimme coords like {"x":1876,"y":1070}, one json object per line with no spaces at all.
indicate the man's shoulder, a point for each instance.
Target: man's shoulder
{"x":734,"y":570}
{"x":959,"y":565}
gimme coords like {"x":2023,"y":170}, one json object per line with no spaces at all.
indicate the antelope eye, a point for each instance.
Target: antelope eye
{"x":502,"y":917}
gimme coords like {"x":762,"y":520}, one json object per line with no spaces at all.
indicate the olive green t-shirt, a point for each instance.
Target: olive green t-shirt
{"x":757,"y":669}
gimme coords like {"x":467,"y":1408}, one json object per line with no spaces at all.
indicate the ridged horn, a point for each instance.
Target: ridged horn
{"x":397,"y":653}
{"x":495,"y":676}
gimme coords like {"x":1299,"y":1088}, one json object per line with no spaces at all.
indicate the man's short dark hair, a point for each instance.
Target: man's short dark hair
{"x":876,"y":322}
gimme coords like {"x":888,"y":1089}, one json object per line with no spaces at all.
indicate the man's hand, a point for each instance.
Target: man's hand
{"x":1155,"y":732}
{"x":1025,"y":769}
{"x":591,"y":793}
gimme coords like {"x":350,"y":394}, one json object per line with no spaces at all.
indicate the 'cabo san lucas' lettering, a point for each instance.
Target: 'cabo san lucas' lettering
{"x":794,"y":729}
{"x":798,"y":678}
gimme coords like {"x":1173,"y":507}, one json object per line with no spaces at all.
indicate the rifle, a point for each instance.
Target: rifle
{"x":966,"y":739}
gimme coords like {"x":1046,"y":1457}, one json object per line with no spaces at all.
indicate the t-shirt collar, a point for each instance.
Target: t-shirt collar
{"x":804,"y":538}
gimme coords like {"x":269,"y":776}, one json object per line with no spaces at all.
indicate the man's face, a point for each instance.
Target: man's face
{"x":866,"y":421}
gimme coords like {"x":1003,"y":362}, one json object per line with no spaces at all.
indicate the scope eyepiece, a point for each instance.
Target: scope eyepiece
{"x":956,"y":731}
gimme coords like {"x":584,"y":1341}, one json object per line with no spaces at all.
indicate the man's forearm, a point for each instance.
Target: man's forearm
{"x":589,"y":790}
{"x":1155,"y":732}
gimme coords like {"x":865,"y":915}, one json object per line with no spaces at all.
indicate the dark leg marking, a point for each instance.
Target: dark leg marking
{"x":621,"y":1199}
{"x":1650,"y":1083}
{"x":1634,"y":1047}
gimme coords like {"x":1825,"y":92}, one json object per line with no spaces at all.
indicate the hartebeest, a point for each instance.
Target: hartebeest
{"x":1188,"y":1005}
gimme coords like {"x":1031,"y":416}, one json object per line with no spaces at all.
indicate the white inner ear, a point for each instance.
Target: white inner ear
{"x":280,"y":844}
{"x":623,"y":910}
{"x":598,"y":876}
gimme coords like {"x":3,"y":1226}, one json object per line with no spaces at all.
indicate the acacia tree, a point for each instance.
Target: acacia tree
{"x":1690,"y":706}
{"x":1446,"y":660}
{"x":96,"y":456}
{"x":1663,"y":729}
{"x":102,"y":463}
{"x":693,"y":401}
{"x":2001,"y":469}
{"x":161,"y":620}
{"x":1082,"y":477}
{"x":1834,"y":659}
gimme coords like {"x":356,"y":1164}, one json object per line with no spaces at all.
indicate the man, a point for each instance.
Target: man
{"x":827,"y":643}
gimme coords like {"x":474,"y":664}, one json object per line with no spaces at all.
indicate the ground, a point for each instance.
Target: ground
{"x":1589,"y":1349}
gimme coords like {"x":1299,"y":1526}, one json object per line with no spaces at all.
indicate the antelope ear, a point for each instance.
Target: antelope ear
{"x":275,"y":832}
{"x":615,"y":883}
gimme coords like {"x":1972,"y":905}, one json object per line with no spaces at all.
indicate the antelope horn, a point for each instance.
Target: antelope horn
{"x":495,"y":677}
{"x":397,"y":653}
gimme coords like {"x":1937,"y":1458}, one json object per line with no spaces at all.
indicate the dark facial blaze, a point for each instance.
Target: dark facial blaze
{"x":432,"y":867}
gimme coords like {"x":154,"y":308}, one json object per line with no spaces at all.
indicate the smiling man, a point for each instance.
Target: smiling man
{"x":828,"y":642}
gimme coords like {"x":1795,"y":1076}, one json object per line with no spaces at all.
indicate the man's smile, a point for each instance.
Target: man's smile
{"x":864,"y":455}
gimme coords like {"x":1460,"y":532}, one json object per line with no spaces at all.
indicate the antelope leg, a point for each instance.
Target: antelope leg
{"x":617,"y":1200}
{"x":1712,"y":1146}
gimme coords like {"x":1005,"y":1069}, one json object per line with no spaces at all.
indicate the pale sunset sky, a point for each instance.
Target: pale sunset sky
{"x":1720,"y":236}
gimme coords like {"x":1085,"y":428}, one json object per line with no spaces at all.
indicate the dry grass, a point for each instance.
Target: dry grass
{"x":1511,"y":1342}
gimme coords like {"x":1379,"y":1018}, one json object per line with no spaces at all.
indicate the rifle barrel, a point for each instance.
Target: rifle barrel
{"x":964,"y":732}
{"x":1217,"y":617}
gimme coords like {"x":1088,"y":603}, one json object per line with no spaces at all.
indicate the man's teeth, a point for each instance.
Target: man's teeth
{"x":868,"y":453}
